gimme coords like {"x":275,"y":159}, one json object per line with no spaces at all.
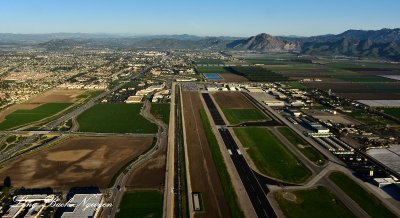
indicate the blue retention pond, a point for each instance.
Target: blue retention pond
{"x":212,"y":76}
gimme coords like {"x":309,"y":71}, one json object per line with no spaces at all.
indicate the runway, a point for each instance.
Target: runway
{"x":256,"y":190}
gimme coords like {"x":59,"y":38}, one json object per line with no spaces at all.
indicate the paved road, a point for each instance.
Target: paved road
{"x":256,"y":191}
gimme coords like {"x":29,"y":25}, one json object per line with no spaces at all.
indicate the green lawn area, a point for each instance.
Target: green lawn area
{"x":310,"y":152}
{"x":144,"y":203}
{"x":395,"y":112}
{"x":270,"y":156}
{"x":161,"y":111}
{"x":318,"y":202}
{"x":23,"y":117}
{"x":367,"y":201}
{"x":236,"y":116}
{"x":226,"y":182}
{"x":115,"y":118}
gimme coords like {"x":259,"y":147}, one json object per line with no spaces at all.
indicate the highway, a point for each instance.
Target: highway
{"x":256,"y":190}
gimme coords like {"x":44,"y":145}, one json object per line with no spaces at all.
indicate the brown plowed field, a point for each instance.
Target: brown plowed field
{"x":230,"y":77}
{"x":75,"y":162}
{"x":232,"y":100}
{"x":57,"y":96}
{"x":151,"y":174}
{"x":203,"y":173}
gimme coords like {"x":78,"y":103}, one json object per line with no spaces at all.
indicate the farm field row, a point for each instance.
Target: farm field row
{"x":115,"y":118}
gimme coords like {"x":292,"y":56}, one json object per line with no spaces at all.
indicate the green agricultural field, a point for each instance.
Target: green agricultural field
{"x":310,"y":152}
{"x":367,"y":201}
{"x":257,"y":74}
{"x":270,"y":155}
{"x":395,"y":112}
{"x":226,"y":182}
{"x":144,"y":203}
{"x":24,"y":117}
{"x":115,"y":118}
{"x":318,"y":202}
{"x":237,"y":116}
{"x":161,"y":111}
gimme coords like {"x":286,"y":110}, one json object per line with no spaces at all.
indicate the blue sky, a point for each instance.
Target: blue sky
{"x":198,"y":17}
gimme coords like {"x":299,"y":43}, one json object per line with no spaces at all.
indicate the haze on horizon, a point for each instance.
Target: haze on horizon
{"x":203,"y":18}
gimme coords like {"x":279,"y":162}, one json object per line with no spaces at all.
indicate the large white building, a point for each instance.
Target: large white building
{"x":85,"y":205}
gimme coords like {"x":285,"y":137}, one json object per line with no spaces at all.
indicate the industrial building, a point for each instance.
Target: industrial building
{"x":84,"y":205}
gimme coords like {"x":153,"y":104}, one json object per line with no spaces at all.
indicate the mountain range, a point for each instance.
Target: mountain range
{"x":384,"y":43}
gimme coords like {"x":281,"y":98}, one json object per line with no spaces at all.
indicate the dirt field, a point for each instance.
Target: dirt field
{"x":57,"y":96}
{"x":75,"y":162}
{"x":232,"y":100}
{"x":16,"y":107}
{"x":203,"y":173}
{"x":151,"y":174}
{"x":230,"y":77}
